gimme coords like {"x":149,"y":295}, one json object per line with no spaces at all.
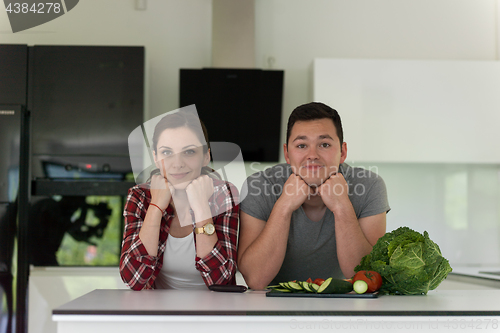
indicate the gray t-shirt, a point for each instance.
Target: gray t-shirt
{"x":311,"y":250}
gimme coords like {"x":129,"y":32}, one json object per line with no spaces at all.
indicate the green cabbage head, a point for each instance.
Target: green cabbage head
{"x":409,"y":262}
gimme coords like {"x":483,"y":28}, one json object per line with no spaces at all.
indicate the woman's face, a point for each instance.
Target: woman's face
{"x":179,"y":156}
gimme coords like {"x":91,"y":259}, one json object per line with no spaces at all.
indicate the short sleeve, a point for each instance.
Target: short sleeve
{"x":375,"y":199}
{"x":258,"y":196}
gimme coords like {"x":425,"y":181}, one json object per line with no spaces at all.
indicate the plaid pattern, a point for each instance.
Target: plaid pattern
{"x":139,"y":270}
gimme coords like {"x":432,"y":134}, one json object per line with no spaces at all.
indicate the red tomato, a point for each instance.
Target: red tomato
{"x":309,"y":280}
{"x":319,"y":281}
{"x":372,"y":278}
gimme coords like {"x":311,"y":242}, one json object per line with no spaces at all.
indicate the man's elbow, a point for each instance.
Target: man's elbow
{"x":254,"y":283}
{"x":252,"y":279}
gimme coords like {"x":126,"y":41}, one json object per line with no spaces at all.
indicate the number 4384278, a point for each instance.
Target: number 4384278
{"x":36,"y":8}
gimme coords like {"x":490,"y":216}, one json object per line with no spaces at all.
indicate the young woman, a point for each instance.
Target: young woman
{"x":181,"y":226}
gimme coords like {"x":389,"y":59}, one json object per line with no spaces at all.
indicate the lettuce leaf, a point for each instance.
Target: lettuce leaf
{"x":410,"y":263}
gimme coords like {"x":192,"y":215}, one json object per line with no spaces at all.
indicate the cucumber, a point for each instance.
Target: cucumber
{"x":307,"y":288}
{"x":276,"y":286}
{"x":284,"y":285}
{"x":314,"y":287}
{"x":295,"y":286}
{"x":335,"y":286}
{"x":283,"y":290}
{"x":360,"y":286}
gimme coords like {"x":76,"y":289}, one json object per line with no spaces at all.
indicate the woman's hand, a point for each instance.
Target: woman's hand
{"x":198,"y":192}
{"x":161,"y":191}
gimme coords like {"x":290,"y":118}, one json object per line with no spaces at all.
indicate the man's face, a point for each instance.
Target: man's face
{"x":314,"y":150}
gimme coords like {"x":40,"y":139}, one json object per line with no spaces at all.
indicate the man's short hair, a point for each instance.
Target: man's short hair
{"x":315,"y":111}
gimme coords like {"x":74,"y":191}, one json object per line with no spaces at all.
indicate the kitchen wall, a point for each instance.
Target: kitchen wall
{"x":291,"y":33}
{"x":176,"y":34}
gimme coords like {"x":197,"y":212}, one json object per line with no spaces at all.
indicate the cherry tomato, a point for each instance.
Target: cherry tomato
{"x":372,"y":278}
{"x":319,"y":281}
{"x":309,"y":280}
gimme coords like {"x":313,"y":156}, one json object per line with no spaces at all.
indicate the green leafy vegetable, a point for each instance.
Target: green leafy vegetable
{"x":410,"y":263}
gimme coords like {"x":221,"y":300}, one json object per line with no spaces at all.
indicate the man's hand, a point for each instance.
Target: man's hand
{"x":295,"y":192}
{"x":334,"y":192}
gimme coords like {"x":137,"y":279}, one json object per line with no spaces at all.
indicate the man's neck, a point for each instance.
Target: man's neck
{"x":314,"y":208}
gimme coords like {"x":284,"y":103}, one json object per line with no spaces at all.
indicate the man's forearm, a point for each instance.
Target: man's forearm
{"x":352,"y":244}
{"x":262,"y":260}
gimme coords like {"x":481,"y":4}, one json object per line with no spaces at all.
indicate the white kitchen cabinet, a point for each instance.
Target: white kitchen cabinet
{"x":414,"y":110}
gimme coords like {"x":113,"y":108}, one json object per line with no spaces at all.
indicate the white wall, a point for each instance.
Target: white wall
{"x":289,"y":35}
{"x":176,"y":34}
{"x":414,"y":110}
{"x":294,"y":32}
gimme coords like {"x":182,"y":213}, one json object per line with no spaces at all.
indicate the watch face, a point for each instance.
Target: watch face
{"x":209,"y":229}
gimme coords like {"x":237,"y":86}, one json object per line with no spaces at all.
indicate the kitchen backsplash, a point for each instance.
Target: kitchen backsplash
{"x":458,"y":204}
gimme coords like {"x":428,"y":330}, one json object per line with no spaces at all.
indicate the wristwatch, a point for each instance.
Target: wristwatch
{"x":207,"y":229}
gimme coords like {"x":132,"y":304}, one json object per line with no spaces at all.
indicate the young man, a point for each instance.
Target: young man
{"x":314,"y":216}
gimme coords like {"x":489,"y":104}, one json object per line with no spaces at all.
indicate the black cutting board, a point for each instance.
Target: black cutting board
{"x":274,"y":293}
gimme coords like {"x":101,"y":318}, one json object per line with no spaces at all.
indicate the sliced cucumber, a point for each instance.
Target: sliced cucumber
{"x":295,"y":286}
{"x":274,"y":286}
{"x":284,"y":285}
{"x":335,"y":286}
{"x":330,"y":286}
{"x":283,"y":290}
{"x":314,"y":287}
{"x":307,"y":288}
{"x":360,"y":287}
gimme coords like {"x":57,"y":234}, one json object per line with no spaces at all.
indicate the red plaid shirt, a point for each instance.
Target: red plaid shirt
{"x":139,"y":270}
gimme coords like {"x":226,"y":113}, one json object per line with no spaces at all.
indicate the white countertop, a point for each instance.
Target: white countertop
{"x":477,"y":271}
{"x":187,"y":302}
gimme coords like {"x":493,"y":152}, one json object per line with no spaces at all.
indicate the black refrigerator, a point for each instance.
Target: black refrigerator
{"x":13,"y":177}
{"x":14,"y":173}
{"x":65,"y":115}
